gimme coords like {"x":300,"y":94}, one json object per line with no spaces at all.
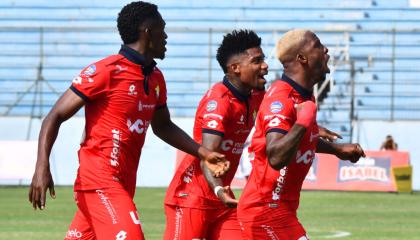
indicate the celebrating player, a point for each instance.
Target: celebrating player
{"x":123,"y":94}
{"x":197,"y":205}
{"x":285,"y":141}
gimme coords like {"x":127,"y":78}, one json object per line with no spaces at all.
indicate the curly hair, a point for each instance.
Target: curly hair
{"x":235,"y":43}
{"x":132,"y":16}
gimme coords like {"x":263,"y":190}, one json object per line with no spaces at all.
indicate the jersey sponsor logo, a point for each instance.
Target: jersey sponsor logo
{"x":213,"y":115}
{"x":279,"y":184}
{"x":230,"y":145}
{"x":138,"y":126}
{"x":281,"y":116}
{"x":241,"y":120}
{"x":276,"y":107}
{"x":189,"y":173}
{"x":89,"y":71}
{"x":312,"y":173}
{"x":271,"y":234}
{"x":132,"y":90}
{"x":212,"y":124}
{"x":211,"y":106}
{"x":135,"y":217}
{"x":115,"y":153}
{"x":73,"y":234}
{"x":306,"y":157}
{"x":313,"y":136}
{"x":108,"y":206}
{"x":121,"y":235}
{"x":142,"y":106}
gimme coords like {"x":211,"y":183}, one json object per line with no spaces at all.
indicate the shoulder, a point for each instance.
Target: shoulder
{"x":102,"y":66}
{"x":219,"y":91}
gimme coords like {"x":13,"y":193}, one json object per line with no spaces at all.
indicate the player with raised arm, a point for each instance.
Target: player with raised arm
{"x":123,"y":94}
{"x":285,"y":141}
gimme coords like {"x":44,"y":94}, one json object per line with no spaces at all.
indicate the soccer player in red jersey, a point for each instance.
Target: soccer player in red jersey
{"x":197,"y":205}
{"x":285,"y":141}
{"x":123,"y":94}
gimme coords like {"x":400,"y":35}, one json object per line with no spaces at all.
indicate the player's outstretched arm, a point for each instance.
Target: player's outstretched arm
{"x":165,"y":129}
{"x":212,"y":142}
{"x":345,"y":151}
{"x":282,"y":148}
{"x":68,"y":104}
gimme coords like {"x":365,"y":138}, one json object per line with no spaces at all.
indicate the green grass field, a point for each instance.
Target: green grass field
{"x":325,"y":215}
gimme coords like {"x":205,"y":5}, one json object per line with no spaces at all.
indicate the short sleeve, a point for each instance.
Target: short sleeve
{"x":92,"y":82}
{"x":278,"y":115}
{"x":214,"y":115}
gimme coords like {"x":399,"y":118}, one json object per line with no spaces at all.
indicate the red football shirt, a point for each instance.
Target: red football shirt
{"x":266,"y":186}
{"x":225,"y":112}
{"x":121,"y":96}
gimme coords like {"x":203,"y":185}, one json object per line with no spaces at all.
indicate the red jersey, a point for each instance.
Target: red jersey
{"x":121,"y":96}
{"x":225,"y":112}
{"x":267,"y":186}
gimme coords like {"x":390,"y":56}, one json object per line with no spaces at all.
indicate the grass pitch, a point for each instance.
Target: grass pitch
{"x":325,"y":215}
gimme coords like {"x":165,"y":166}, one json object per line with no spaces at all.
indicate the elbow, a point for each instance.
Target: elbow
{"x":277,"y":161}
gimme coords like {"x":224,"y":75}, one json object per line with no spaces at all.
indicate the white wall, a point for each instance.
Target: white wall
{"x":371,"y":134}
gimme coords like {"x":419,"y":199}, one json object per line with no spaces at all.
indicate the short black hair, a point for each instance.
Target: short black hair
{"x":132,"y":16}
{"x":235,"y":43}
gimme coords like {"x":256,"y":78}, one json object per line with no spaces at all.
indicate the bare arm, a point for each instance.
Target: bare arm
{"x":281,"y":149}
{"x":68,"y":104}
{"x":344,"y":151}
{"x":169,"y":132}
{"x":212,"y":142}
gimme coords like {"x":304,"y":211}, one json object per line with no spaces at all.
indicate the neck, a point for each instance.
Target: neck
{"x":300,"y":76}
{"x":140,"y":48}
{"x":236,"y":82}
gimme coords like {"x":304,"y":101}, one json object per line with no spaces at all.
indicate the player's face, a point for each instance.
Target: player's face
{"x":253,"y":68}
{"x":317,"y":58}
{"x":158,"y":36}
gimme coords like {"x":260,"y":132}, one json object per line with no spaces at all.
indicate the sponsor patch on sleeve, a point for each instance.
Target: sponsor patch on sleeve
{"x":211,"y":106}
{"x":276,"y":106}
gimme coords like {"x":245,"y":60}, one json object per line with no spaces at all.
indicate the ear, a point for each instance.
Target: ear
{"x":235,"y":68}
{"x":301,"y":58}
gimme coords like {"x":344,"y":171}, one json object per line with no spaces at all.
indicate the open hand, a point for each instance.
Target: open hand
{"x":215,"y":162}
{"x":41,"y":181}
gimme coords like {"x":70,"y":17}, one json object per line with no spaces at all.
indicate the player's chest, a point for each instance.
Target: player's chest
{"x":134,"y":98}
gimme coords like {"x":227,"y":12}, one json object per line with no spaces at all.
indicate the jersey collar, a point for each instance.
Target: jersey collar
{"x":137,"y":58}
{"x":235,"y":91}
{"x":306,"y":94}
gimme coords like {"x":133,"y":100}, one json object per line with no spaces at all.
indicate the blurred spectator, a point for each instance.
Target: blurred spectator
{"x":389,"y":144}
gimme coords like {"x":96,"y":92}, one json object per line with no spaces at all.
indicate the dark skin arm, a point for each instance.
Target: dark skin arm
{"x":68,"y":105}
{"x":169,"y":132}
{"x":344,"y":151}
{"x":212,"y":142}
{"x":281,"y":149}
{"x":328,"y":135}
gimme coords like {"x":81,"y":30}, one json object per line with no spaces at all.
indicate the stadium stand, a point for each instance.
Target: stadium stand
{"x":374,"y":45}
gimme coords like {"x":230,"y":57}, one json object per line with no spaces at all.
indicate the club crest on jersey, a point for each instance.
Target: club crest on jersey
{"x":211,"y":106}
{"x":157,"y":90}
{"x":90,"y":70}
{"x":276,"y":107}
